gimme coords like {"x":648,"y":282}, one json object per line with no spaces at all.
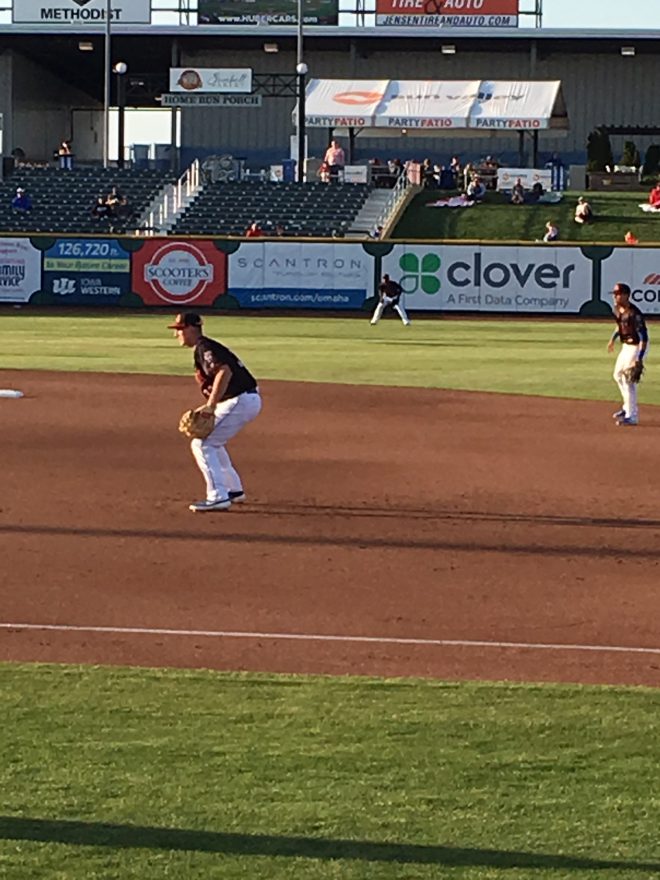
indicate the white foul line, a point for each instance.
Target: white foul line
{"x":315,"y":637}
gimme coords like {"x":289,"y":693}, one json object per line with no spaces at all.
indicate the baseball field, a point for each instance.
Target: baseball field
{"x":427,"y":646}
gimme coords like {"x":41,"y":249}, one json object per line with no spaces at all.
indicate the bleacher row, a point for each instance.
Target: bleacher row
{"x":316,"y":209}
{"x":62,"y":202}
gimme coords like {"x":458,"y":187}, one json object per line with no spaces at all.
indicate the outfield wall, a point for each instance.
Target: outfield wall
{"x":229,"y":274}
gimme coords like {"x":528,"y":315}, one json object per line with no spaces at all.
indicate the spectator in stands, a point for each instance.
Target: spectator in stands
{"x":518,"y":193}
{"x":630,"y":238}
{"x":279,"y":230}
{"x":65,"y":156}
{"x":456,"y":169}
{"x":427,"y":174}
{"x":583,"y":212}
{"x":476,"y":189}
{"x":376,"y":232}
{"x":100,"y":210}
{"x":336,"y":160}
{"x":21,"y":201}
{"x":117,"y":204}
{"x":537,"y":192}
{"x":551,"y":231}
{"x":324,"y":172}
{"x":254,"y":230}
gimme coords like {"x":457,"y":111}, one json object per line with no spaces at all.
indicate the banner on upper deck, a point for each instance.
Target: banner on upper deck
{"x":447,"y":13}
{"x":322,"y":12}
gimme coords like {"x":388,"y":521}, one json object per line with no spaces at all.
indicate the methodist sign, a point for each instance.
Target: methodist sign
{"x":74,"y":12}
{"x":440,"y":105}
{"x":447,"y":13}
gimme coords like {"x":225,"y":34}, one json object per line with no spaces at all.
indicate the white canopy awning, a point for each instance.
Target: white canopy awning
{"x":430,"y":105}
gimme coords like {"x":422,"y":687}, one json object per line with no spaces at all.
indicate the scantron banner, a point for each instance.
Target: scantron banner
{"x":74,"y":12}
{"x":294,"y":275}
{"x":447,"y":13}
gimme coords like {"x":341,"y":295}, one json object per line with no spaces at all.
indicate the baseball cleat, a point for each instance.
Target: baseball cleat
{"x":626,"y":423}
{"x":619,"y":414}
{"x":206,"y":506}
{"x":237,"y":497}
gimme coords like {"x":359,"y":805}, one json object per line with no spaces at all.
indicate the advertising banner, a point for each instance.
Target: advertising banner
{"x":292,"y":275}
{"x":87,"y":271}
{"x":447,"y":13}
{"x":225,"y":80}
{"x":507,"y":177}
{"x":466,"y":278}
{"x":179,"y":273}
{"x":20,"y":270}
{"x":638,"y":268}
{"x":323,"y":12}
{"x":75,"y":12}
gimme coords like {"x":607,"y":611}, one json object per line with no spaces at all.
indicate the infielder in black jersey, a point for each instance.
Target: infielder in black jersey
{"x":389,"y":294}
{"x":231,"y":390}
{"x":631,"y":330}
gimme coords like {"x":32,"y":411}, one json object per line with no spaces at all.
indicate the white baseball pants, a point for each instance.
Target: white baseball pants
{"x":398,"y":308}
{"x":627,"y":357}
{"x":220,"y":476}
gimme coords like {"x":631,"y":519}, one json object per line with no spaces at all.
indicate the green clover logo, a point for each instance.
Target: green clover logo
{"x":420,"y":274}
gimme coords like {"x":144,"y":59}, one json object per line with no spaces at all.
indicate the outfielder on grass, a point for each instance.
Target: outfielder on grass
{"x":389,"y":294}
{"x":631,"y":330}
{"x":232,"y":400}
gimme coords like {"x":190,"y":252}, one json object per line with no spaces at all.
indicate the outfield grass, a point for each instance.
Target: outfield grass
{"x":566,"y":359}
{"x":498,"y":220}
{"x":108,"y":772}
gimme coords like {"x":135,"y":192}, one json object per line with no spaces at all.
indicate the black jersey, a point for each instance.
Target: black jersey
{"x":211,"y":355}
{"x":391,"y":288}
{"x":632,"y":326}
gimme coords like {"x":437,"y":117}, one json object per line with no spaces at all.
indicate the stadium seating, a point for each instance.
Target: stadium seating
{"x":62,"y":200}
{"x":309,"y":209}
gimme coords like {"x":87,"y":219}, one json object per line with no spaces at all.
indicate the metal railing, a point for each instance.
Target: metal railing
{"x":169,"y":203}
{"x":398,"y":193}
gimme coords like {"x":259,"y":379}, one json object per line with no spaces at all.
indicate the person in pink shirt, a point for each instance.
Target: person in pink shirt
{"x":654,"y":196}
{"x":335,"y":160}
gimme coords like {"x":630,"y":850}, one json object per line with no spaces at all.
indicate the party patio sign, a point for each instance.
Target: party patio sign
{"x":496,"y":105}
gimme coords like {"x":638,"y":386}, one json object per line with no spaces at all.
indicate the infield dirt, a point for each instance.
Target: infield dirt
{"x":372,"y":512}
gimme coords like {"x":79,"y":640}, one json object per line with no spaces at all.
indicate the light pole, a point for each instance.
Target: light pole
{"x":301,"y":74}
{"x":120,"y":69}
{"x":106,"y":85}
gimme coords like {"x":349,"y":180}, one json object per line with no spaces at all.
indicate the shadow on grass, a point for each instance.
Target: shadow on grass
{"x":179,"y":839}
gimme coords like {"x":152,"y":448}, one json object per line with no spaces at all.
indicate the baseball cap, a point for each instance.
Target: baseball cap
{"x":185,"y":319}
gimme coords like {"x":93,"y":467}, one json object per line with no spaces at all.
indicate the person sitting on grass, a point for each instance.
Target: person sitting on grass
{"x":653,"y":203}
{"x":583,"y":212}
{"x":476,"y":189}
{"x":518,"y":193}
{"x":551,"y":232}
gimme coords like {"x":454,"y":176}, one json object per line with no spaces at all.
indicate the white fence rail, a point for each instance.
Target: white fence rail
{"x":163,"y":212}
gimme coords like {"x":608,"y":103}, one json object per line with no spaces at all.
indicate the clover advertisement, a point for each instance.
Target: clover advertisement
{"x":491,"y":279}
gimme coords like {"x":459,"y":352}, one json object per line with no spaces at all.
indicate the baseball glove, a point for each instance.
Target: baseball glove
{"x":197,"y":423}
{"x":634,"y":373}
